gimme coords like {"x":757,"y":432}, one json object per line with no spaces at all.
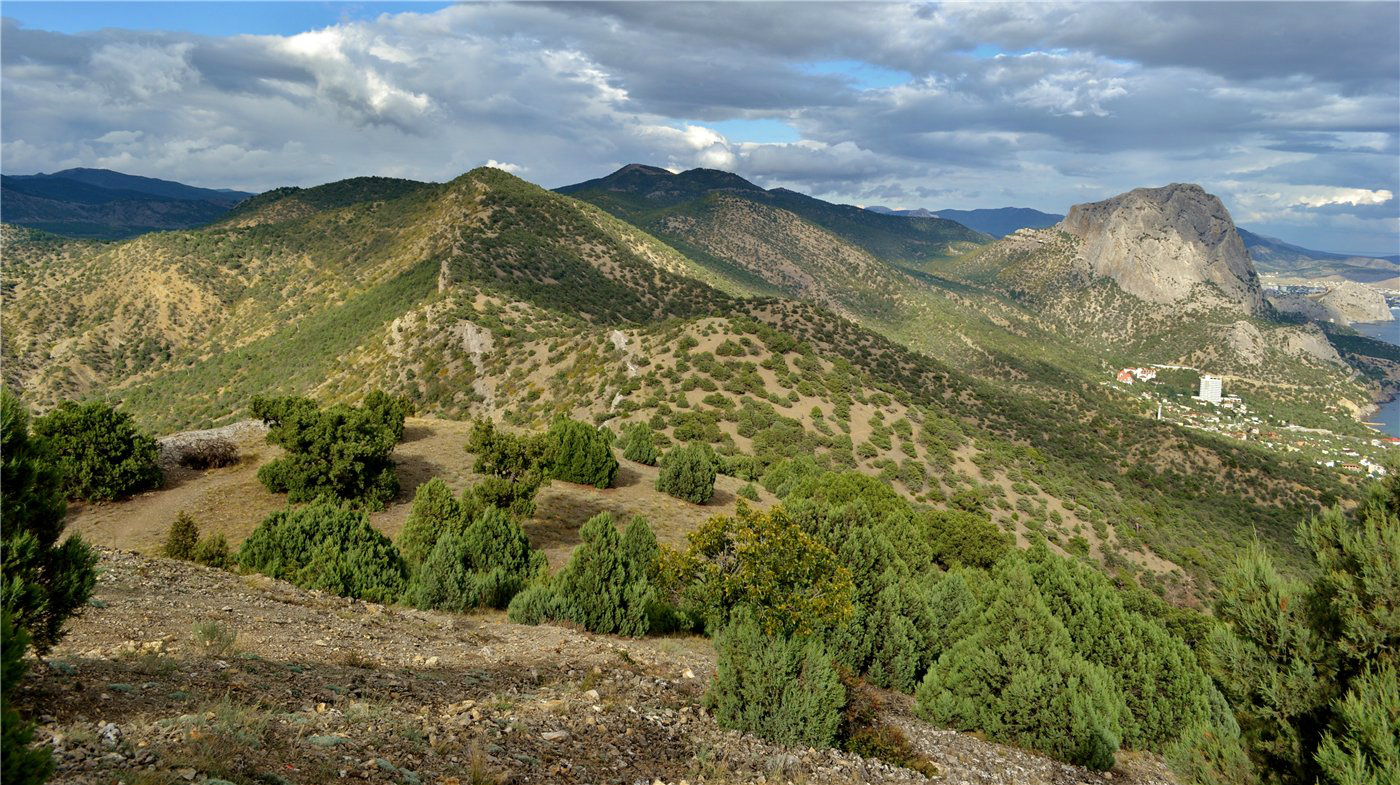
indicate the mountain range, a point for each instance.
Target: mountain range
{"x":997,"y":222}
{"x":100,"y":203}
{"x":765,"y":322}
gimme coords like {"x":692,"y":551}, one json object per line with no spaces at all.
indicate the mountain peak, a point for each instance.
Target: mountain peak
{"x":1158,"y":243}
{"x":642,"y":169}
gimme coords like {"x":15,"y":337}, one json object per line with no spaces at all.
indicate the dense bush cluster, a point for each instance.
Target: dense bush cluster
{"x":1310,"y":669}
{"x":1028,"y":648}
{"x":570,"y":450}
{"x":688,"y":473}
{"x":464,"y":553}
{"x":340,"y":452}
{"x":100,"y":452}
{"x":607,"y":586}
{"x":328,"y":547}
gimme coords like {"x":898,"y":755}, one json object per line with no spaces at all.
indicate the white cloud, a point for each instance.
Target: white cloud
{"x":505,"y":167}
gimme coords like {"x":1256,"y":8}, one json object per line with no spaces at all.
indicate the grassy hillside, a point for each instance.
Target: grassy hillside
{"x":490,"y":296}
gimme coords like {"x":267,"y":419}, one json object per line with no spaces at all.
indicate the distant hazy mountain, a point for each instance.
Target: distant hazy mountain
{"x":100,"y":203}
{"x":1272,"y":255}
{"x":997,"y":222}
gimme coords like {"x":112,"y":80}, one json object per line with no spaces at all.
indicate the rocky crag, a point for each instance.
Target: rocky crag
{"x":1159,"y":244}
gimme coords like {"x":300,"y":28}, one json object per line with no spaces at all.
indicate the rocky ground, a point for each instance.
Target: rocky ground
{"x":179,"y":673}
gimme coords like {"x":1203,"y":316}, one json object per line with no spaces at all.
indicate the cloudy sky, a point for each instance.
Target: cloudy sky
{"x":1290,"y":112}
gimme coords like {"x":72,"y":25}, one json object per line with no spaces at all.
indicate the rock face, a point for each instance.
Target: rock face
{"x":1158,"y":243}
{"x":1345,"y":303}
{"x":1356,"y":302}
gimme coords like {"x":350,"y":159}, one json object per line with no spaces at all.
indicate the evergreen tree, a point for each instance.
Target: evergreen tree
{"x":44,"y":581}
{"x":340,"y":453}
{"x":580,"y":453}
{"x":1017,"y":679}
{"x":20,"y":762}
{"x":605,"y":586}
{"x":783,"y":689}
{"x":688,"y":473}
{"x":182,"y":537}
{"x":99,"y":451}
{"x":435,"y":513}
{"x":638,"y":444}
{"x":1363,"y":746}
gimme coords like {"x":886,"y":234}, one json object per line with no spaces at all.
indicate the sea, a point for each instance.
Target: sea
{"x":1389,"y":415}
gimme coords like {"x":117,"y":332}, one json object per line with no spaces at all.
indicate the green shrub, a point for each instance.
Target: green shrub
{"x":20,"y":762}
{"x":1017,"y":679}
{"x":484,"y":564}
{"x":1309,"y":668}
{"x":790,"y":582}
{"x":688,"y":473}
{"x":340,"y":452}
{"x":182,"y":537}
{"x":328,"y":547}
{"x":580,"y":453}
{"x":100,"y":452}
{"x":958,"y":537}
{"x":606,"y":586}
{"x":783,"y":689}
{"x":1363,"y":746}
{"x":44,"y":581}
{"x":748,"y":491}
{"x":638,"y":444}
{"x":435,"y":512}
{"x":211,"y":551}
{"x":505,"y":455}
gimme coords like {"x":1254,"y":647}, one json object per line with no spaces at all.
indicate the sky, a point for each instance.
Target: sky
{"x":1290,"y":112}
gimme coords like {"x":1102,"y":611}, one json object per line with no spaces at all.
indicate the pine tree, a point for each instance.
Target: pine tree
{"x":1363,"y":747}
{"x":783,"y":689}
{"x":1016,"y":679}
{"x":688,"y":473}
{"x":44,"y":581}
{"x":638,"y":444}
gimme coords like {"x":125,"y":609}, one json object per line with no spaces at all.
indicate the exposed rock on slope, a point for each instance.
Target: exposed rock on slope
{"x":1158,"y":243}
{"x":1345,"y":303}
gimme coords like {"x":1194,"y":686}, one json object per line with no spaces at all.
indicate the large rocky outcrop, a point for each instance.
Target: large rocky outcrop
{"x":1344,"y":303}
{"x":1159,"y":243}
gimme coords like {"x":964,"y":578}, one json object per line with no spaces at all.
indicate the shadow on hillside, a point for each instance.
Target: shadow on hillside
{"x":413,"y":433}
{"x":627,"y":476}
{"x":413,"y":471}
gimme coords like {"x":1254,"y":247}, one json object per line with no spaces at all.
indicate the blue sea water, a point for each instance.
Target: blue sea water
{"x":1389,"y":415}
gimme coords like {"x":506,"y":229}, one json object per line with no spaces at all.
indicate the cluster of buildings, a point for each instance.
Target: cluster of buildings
{"x":1227,"y":415}
{"x":1129,"y":375}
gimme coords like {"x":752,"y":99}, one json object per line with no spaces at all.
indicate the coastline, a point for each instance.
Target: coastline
{"x":1388,"y":400}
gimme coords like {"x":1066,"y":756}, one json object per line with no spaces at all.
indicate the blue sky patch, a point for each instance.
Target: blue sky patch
{"x":201,"y":18}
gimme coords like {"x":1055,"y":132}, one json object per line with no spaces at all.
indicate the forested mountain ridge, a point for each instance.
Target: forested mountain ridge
{"x":490,"y":296}
{"x":102,"y":204}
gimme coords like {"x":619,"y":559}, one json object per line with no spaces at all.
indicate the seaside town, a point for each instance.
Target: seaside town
{"x":1211,"y":409}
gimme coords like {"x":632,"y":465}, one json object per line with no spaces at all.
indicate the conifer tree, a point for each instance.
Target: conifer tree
{"x":783,"y":689}
{"x":688,"y":473}
{"x":44,"y":581}
{"x":638,"y":444}
{"x":1017,"y":679}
